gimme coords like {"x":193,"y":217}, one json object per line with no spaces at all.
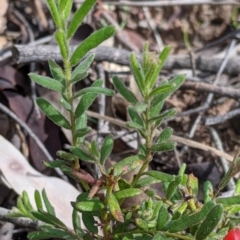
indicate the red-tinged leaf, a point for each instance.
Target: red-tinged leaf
{"x":115,"y":208}
{"x":126,"y":165}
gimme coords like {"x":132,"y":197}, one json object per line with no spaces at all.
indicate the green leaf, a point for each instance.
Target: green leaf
{"x":91,"y":42}
{"x":48,"y":205}
{"x":54,"y":12}
{"x":166,"y":114}
{"x":163,"y":147}
{"x":57,"y":163}
{"x":138,"y":73}
{"x":162,"y":218}
{"x":88,"y":206}
{"x":164,"y":177}
{"x":173,"y":186}
{"x":189,"y":220}
{"x":162,"y":89}
{"x":164,"y":54}
{"x":126,"y":193}
{"x":47,"y":82}
{"x":48,"y":218}
{"x":98,"y":90}
{"x":56,"y":71}
{"x":135,"y":116}
{"x":210,"y":222}
{"x":124,"y":91}
{"x":142,"y":224}
{"x":147,"y":181}
{"x":87,"y":99}
{"x":93,"y":149}
{"x":76,"y":221}
{"x":81,"y":122}
{"x":152,"y":74}
{"x":89,"y":222}
{"x":192,"y":184}
{"x":65,"y":8}
{"x":140,"y":107}
{"x":38,"y":200}
{"x":139,"y":128}
{"x":207,"y":191}
{"x":65,"y":104}
{"x":62,"y":43}
{"x":114,"y":208}
{"x":182,"y":169}
{"x":48,"y":232}
{"x":165,"y":135}
{"x":82,"y":154}
{"x":15,"y":213}
{"x":78,"y":17}
{"x":78,"y":77}
{"x":26,"y":201}
{"x":53,"y":113}
{"x":106,"y":149}
{"x":237,"y":188}
{"x":146,"y":57}
{"x":82,"y":132}
{"x":233,"y":200}
{"x":127,"y":164}
{"x":177,"y":81}
{"x":22,"y":207}
{"x":155,"y":110}
{"x":84,"y":65}
{"x":160,"y":236}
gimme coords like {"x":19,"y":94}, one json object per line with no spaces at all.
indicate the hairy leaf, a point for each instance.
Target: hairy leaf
{"x":53,"y":113}
{"x":91,"y":42}
{"x":78,"y":17}
{"x":47,"y":82}
{"x":124,"y":91}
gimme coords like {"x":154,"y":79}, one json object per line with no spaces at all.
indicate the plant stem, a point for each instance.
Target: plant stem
{"x":68,"y":68}
{"x":148,"y":143}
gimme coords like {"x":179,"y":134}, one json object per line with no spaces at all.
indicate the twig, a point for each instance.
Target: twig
{"x":42,"y":53}
{"x":22,"y":222}
{"x":32,"y":135}
{"x":220,"y":119}
{"x":163,"y":3}
{"x":180,"y":140}
{"x":120,"y":34}
{"x":153,"y":27}
{"x":218,"y":143}
{"x":32,"y":65}
{"x":205,"y":87}
{"x":211,"y":95}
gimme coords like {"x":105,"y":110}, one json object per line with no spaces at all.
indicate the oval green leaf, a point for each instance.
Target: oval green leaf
{"x":53,"y":113}
{"x":115,"y":208}
{"x":126,"y":193}
{"x":210,"y":222}
{"x":91,"y":42}
{"x":124,"y":91}
{"x":47,"y":82}
{"x":106,"y":149}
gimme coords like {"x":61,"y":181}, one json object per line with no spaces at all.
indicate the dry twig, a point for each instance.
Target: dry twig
{"x":42,"y":53}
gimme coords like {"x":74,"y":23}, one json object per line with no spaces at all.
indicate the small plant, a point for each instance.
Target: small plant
{"x":178,"y":214}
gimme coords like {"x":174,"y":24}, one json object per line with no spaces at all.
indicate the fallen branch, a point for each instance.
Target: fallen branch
{"x":42,"y":53}
{"x":205,"y":87}
{"x":171,"y":3}
{"x":184,"y":141}
{"x":21,"y":222}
